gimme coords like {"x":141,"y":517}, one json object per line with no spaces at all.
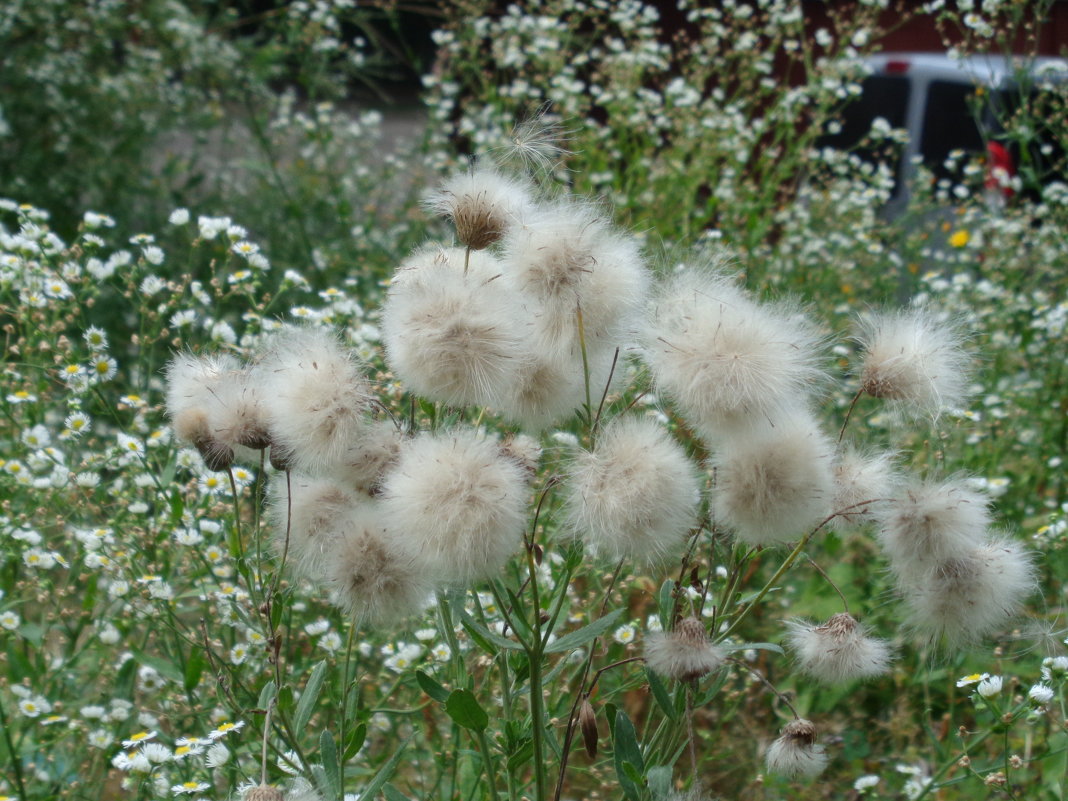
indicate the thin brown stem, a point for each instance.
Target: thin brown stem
{"x":849,"y":413}
{"x":781,"y":696}
{"x":837,"y":589}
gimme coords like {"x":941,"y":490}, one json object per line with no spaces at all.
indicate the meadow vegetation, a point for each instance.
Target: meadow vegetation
{"x":604,"y":442}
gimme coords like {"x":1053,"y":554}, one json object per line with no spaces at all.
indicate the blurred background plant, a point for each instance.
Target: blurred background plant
{"x":116,"y":543}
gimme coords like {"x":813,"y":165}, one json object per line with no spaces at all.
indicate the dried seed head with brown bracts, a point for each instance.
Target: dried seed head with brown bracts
{"x":264,"y":792}
{"x":685,"y":654}
{"x":838,"y":650}
{"x":795,"y":754}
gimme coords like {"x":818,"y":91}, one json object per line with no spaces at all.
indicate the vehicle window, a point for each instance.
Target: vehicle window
{"x":949,"y":123}
{"x":885,"y":96}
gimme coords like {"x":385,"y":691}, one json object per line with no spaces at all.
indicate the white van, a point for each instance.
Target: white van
{"x":957,"y":104}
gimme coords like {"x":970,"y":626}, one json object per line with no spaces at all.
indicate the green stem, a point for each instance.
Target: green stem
{"x":16,"y":761}
{"x":488,"y":764}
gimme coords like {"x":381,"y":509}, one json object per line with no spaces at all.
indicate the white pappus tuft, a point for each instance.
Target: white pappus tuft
{"x":930,"y":523}
{"x":308,"y":517}
{"x":370,"y":574}
{"x":635,"y":495}
{"x":455,"y":499}
{"x":726,"y":360}
{"x":858,"y":479}
{"x":796,"y":754}
{"x":970,"y":596}
{"x":839,"y":650}
{"x":567,"y":258}
{"x":913,"y":360}
{"x":455,"y":338}
{"x":482,"y":203}
{"x":774,"y":484}
{"x":314,"y":395}
{"x":684,"y":654}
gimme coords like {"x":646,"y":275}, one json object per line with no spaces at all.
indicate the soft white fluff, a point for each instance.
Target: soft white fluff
{"x":971,"y":596}
{"x":859,"y":478}
{"x":566,"y":257}
{"x":314,"y":395}
{"x":725,"y":359}
{"x":551,"y":386}
{"x":914,"y":360}
{"x":454,"y":338}
{"x":366,"y":458}
{"x":795,"y":754}
{"x":482,"y":203}
{"x":308,"y":522}
{"x":839,"y":650}
{"x":684,"y":654}
{"x":930,"y":523}
{"x":774,"y":484}
{"x":204,"y":396}
{"x":370,"y":575}
{"x":635,"y":495}
{"x":460,"y":503}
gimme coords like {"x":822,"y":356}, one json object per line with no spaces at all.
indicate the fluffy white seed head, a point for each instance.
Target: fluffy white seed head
{"x":551,"y":386}
{"x":482,"y":203}
{"x":971,"y":596}
{"x":364,"y":461}
{"x":568,"y":257}
{"x":453,"y":338}
{"x":314,"y":395}
{"x":859,"y":478}
{"x":930,"y":523}
{"x":774,"y":484}
{"x":796,"y":754}
{"x":370,"y":575}
{"x":460,"y":503}
{"x":913,"y":360}
{"x":308,"y":518}
{"x":635,"y":495}
{"x":684,"y":654}
{"x":839,"y":650}
{"x":725,"y":359}
{"x":211,"y":406}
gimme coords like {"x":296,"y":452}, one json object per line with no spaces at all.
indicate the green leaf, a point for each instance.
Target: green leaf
{"x":576,"y":639}
{"x":385,"y":772}
{"x":522,"y":754}
{"x":660,"y":694}
{"x":484,"y":637}
{"x":627,"y":754}
{"x":666,"y":603}
{"x":306,"y":704}
{"x":328,"y":754}
{"x":659,"y":780}
{"x":431,"y":687}
{"x":194,"y":669}
{"x":393,"y":794}
{"x":356,"y":740}
{"x":165,"y":668}
{"x":266,"y":695}
{"x":463,"y":707}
